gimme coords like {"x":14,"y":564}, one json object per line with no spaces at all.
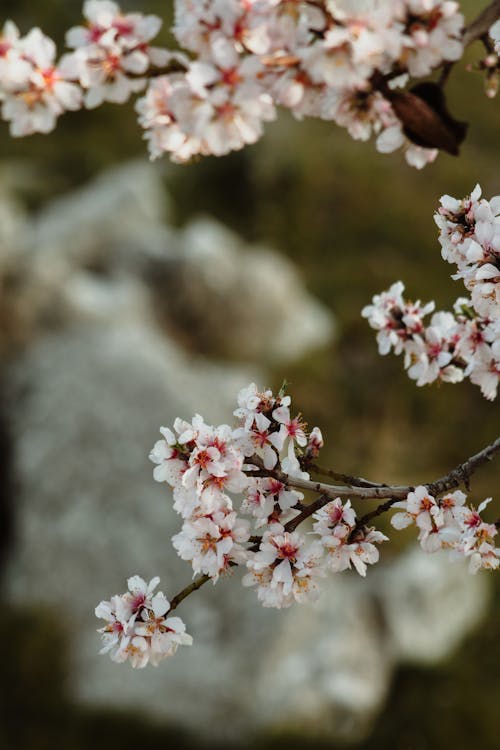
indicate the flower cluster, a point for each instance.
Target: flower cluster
{"x":219,"y":474}
{"x":258,"y":462}
{"x":111,"y":55}
{"x":137,"y":629}
{"x":323,"y":59}
{"x":447,"y":523}
{"x":208,"y":466}
{"x":111,"y":51}
{"x":465,"y":343}
{"x":316,"y":59}
{"x":284,"y":568}
{"x":344,"y":542}
{"x":34,"y":90}
{"x":469,"y":234}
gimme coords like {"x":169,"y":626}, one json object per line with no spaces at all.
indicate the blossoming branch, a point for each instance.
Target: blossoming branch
{"x":243,"y":59}
{"x":239,"y":492}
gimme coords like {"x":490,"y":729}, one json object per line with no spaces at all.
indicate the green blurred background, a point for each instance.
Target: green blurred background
{"x":354,"y":221}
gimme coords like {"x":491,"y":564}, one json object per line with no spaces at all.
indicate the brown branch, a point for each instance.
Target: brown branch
{"x":482,"y":23}
{"x":382,"y":508}
{"x":457,"y":476}
{"x":194,"y":586}
{"x":454,"y":478}
{"x":463,"y":472}
{"x":345,"y":478}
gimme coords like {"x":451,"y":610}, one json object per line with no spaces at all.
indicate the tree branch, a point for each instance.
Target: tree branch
{"x":194,"y":586}
{"x":345,"y":478}
{"x":482,"y":23}
{"x":457,"y":476}
{"x":454,"y":478}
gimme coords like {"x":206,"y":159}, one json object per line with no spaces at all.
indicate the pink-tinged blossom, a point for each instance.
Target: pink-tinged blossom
{"x":104,"y":72}
{"x":259,"y":441}
{"x":200,"y":23}
{"x":420,"y":507}
{"x":315,"y":443}
{"x":202,"y":464}
{"x":470,"y":238}
{"x":332,"y":515}
{"x":106,"y":23}
{"x":290,"y":429}
{"x":38,"y":91}
{"x":456,"y":221}
{"x":448,"y":523}
{"x":344,"y":544}
{"x":162,"y":129}
{"x":235,"y":102}
{"x":171,"y":461}
{"x":345,"y":551}
{"x":284,"y":569}
{"x":485,"y":556}
{"x":251,"y":402}
{"x":217,"y":106}
{"x":396,"y":320}
{"x":111,"y":52}
{"x":432,"y":33}
{"x":452,"y":507}
{"x":212,"y":543}
{"x":137,"y":629}
{"x":15,"y":71}
{"x":477,"y":539}
{"x":257,"y":502}
{"x":486,"y":370}
{"x":465,"y":343}
{"x":270,"y":501}
{"x":247,"y":56}
{"x":284,"y":497}
{"x":431,"y":356}
{"x":117,"y":623}
{"x":363,"y":550}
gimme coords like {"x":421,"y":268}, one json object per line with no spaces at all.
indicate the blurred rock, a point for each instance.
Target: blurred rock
{"x":226,"y":298}
{"x":429,"y":603}
{"x":94,"y":227}
{"x":212,"y":292}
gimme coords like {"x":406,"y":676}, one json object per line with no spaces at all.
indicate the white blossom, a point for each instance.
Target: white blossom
{"x":137,"y":629}
{"x":34,"y":90}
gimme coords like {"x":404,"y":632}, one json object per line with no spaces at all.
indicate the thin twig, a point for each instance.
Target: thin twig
{"x":382,"y":508}
{"x":454,"y":478}
{"x":345,"y":478}
{"x":194,"y":586}
{"x":482,"y":23}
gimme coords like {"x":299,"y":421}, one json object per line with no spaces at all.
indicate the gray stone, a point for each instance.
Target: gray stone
{"x":429,"y":602}
{"x":228,"y":298}
{"x":214,"y":293}
{"x":94,"y":225}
